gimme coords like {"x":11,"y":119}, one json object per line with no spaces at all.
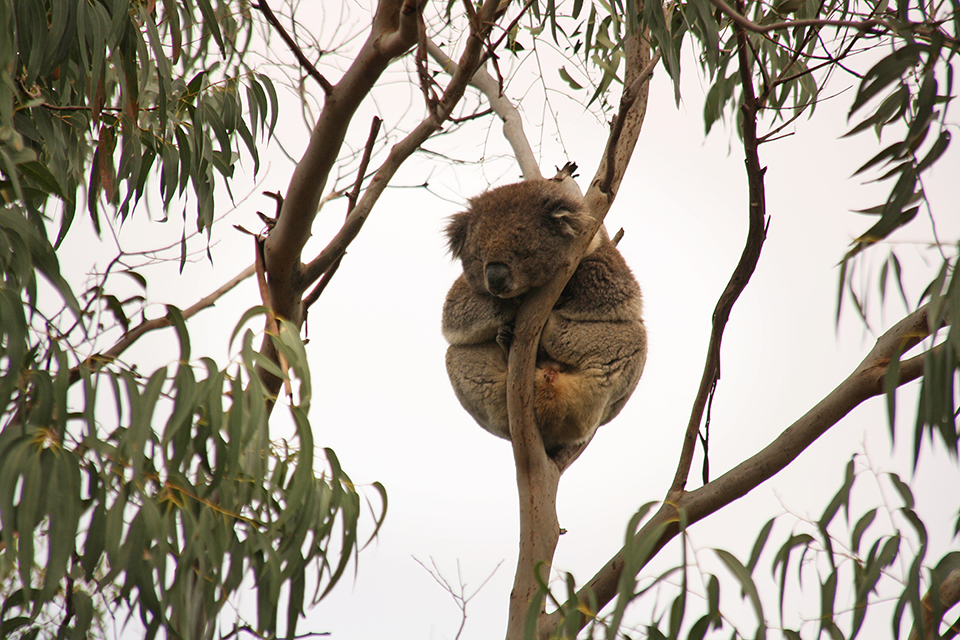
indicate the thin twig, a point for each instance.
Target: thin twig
{"x":364,"y":162}
{"x":745,"y":23}
{"x":130,"y":337}
{"x":491,"y":50}
{"x":502,"y":106}
{"x":427,"y":83}
{"x":294,"y":47}
{"x":472,"y":116}
{"x":741,"y":274}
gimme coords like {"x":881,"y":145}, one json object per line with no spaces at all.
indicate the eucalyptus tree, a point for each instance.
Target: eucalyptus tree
{"x":164,"y":493}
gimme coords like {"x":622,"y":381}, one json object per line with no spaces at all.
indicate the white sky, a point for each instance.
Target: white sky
{"x":383,"y":403}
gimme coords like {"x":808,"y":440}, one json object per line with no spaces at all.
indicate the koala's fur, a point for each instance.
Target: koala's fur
{"x":512,"y":240}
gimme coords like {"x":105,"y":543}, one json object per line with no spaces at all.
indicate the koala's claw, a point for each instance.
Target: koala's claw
{"x":505,"y":336}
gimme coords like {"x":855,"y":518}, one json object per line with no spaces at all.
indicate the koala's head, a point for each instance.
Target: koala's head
{"x":514,"y":238}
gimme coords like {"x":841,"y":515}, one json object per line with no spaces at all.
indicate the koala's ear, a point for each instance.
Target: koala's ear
{"x":572,"y":221}
{"x":457,"y":234}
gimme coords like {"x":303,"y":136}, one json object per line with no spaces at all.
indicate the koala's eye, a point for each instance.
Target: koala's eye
{"x":523,"y":253}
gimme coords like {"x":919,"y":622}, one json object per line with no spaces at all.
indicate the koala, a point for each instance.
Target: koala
{"x":510,"y":241}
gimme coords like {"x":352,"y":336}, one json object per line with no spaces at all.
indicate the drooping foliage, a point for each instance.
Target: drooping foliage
{"x":100,"y":96}
{"x":162,"y":493}
{"x":156,"y":492}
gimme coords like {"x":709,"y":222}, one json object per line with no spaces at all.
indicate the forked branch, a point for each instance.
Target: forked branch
{"x":867,"y":381}
{"x":395,"y":30}
{"x":502,"y":106}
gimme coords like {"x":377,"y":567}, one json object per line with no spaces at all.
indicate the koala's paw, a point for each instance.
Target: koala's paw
{"x":505,"y":336}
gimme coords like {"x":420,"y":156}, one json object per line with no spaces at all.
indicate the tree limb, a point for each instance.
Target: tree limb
{"x":394,"y":31}
{"x":866,"y":381}
{"x":352,"y":202}
{"x":502,"y":106}
{"x":625,"y":129}
{"x":744,"y":23}
{"x":627,"y":100}
{"x":538,"y":475}
{"x":741,"y":274}
{"x":130,"y":337}
{"x":403,"y":149}
{"x":294,"y":47}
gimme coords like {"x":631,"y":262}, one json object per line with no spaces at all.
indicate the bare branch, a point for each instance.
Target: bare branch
{"x":130,"y":337}
{"x":865,"y":382}
{"x":502,"y":106}
{"x":744,"y":23}
{"x":743,"y":271}
{"x":403,"y":149}
{"x":309,"y":277}
{"x":394,"y":31}
{"x":627,"y":100}
{"x":626,"y":127}
{"x":294,"y":47}
{"x":389,"y":37}
{"x":538,"y":475}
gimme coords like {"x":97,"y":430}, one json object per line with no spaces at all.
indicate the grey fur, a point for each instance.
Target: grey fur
{"x":511,"y":240}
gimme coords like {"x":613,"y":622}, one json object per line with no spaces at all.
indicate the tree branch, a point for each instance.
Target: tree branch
{"x":389,"y":37}
{"x":130,"y":337}
{"x":627,"y":100}
{"x":403,"y":149}
{"x":744,"y":23}
{"x":865,"y":382}
{"x":294,"y":47}
{"x":741,"y":274}
{"x":502,"y":106}
{"x":352,"y":202}
{"x":625,"y":130}
{"x":393,"y":32}
{"x":538,"y":475}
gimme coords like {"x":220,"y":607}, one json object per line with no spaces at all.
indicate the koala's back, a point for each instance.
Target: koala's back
{"x":512,"y":240}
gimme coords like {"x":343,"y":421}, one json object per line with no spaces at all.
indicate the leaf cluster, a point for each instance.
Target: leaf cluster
{"x":95,"y":95}
{"x":851,"y":574}
{"x":159,"y":493}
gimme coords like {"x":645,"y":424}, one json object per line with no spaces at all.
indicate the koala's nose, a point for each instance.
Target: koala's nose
{"x":498,"y":278}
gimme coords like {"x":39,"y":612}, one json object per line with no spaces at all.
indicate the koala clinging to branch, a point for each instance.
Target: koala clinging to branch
{"x":511,"y":240}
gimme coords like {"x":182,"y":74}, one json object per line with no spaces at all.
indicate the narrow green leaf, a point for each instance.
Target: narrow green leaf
{"x":903,"y":489}
{"x":274,"y":103}
{"x":758,"y":545}
{"x":176,"y":317}
{"x":943,"y":141}
{"x":211,"y":24}
{"x":828,"y":594}
{"x":859,"y":529}
{"x":886,"y":71}
{"x":565,"y":76}
{"x":749,"y":588}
